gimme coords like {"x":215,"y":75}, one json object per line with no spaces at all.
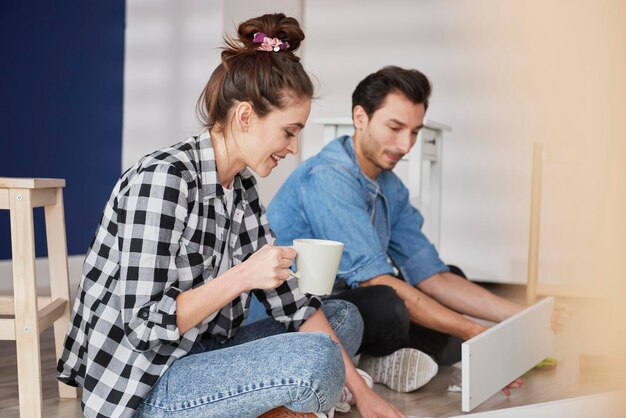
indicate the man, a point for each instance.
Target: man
{"x":408,"y":297}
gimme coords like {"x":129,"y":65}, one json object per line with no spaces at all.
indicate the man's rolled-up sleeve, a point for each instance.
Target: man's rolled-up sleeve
{"x":411,"y":251}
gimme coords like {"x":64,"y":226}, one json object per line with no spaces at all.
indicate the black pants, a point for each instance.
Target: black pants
{"x":388,"y":328}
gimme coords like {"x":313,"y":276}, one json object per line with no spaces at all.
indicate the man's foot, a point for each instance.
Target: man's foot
{"x":283,"y":412}
{"x":404,"y":370}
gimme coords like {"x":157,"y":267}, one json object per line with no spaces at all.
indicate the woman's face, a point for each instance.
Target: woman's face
{"x":271,"y":138}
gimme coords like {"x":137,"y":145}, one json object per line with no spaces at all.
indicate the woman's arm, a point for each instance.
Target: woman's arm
{"x":265,"y":269}
{"x":194,"y":305}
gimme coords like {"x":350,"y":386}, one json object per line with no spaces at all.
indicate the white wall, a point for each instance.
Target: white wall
{"x":171,"y":50}
{"x":505,"y":74}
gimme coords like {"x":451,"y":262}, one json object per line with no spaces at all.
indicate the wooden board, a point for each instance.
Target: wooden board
{"x":495,"y":358}
{"x":30,"y":183}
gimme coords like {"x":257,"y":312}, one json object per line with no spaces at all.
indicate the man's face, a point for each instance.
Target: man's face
{"x":382,"y":140}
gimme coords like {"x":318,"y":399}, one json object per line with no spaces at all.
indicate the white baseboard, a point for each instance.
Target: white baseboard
{"x":75,"y":264}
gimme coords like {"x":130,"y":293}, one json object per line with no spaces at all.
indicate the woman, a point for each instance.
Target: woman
{"x":156,"y":326}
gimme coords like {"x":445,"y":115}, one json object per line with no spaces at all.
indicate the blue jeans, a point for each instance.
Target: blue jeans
{"x":261,"y":368}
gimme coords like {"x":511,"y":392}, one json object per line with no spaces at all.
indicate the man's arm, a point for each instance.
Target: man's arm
{"x":429,"y":313}
{"x":426,"y":311}
{"x":468,"y":298}
{"x":418,"y":261}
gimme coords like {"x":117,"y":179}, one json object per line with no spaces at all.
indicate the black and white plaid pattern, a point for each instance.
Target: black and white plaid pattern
{"x":162,"y":232}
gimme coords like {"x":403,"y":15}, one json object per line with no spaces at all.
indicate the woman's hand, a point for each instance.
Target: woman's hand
{"x":268,"y":267}
{"x":371,"y":405}
{"x":368,"y":402}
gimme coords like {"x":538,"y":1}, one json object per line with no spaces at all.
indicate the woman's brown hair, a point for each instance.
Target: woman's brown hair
{"x":266,"y":79}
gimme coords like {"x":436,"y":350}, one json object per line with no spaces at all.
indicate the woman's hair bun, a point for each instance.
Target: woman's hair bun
{"x":269,"y":79}
{"x":276,"y":25}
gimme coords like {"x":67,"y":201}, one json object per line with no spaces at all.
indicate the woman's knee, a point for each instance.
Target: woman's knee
{"x":323,"y":364}
{"x":346,"y":321}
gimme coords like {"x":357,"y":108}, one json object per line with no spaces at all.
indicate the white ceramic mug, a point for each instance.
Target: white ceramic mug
{"x":317,"y":262}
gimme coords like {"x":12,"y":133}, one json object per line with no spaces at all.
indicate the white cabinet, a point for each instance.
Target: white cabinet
{"x":420,"y":170}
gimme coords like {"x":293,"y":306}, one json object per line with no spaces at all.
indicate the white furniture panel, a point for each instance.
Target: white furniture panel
{"x":420,"y":170}
{"x":498,"y":356}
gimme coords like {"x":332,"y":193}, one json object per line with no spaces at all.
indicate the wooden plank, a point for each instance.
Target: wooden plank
{"x":498,"y":356}
{"x":610,"y":404}
{"x":29,"y":183}
{"x":50,"y":313}
{"x":7,"y":329}
{"x":7,"y":305}
{"x":535,"y":222}
{"x":347,"y":120}
{"x":4,"y":199}
{"x":25,"y":294}
{"x":43,"y":197}
{"x":570,"y":291}
{"x":59,"y":276}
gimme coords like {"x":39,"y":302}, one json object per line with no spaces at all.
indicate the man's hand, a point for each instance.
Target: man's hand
{"x":517,"y":383}
{"x":478,"y":329}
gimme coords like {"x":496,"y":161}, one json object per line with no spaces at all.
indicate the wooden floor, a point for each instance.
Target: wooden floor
{"x":53,"y":406}
{"x":433,"y":400}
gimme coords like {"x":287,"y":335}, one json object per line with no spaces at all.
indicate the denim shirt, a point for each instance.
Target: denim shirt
{"x":329,"y":197}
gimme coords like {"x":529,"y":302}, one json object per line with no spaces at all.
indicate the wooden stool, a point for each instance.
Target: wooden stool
{"x":20,"y":196}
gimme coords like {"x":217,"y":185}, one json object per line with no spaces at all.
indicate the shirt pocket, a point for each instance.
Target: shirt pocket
{"x":194,"y":268}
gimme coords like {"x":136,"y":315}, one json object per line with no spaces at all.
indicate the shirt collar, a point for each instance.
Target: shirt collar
{"x":348,"y":146}
{"x":210,"y":180}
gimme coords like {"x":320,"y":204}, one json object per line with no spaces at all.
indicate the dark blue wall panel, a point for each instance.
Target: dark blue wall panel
{"x":61,"y":97}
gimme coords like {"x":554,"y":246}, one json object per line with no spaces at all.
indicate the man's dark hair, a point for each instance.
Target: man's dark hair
{"x":371,"y":92}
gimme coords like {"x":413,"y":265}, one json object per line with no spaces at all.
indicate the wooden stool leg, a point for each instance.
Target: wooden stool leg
{"x":25,"y":297}
{"x":59,"y":277}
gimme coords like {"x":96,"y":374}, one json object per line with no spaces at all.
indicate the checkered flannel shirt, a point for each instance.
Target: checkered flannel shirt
{"x":162,"y":232}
